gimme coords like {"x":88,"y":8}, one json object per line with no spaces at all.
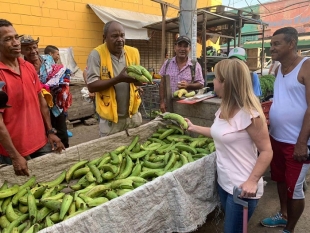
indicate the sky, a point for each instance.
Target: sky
{"x":242,"y":3}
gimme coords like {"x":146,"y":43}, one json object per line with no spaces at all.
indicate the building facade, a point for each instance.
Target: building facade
{"x":71,"y":23}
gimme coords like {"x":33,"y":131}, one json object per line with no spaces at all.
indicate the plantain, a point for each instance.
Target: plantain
{"x":73,"y":168}
{"x":32,"y":207}
{"x":134,"y":69}
{"x":10,"y":213}
{"x":182,"y":92}
{"x":3,"y":187}
{"x":48,"y":221}
{"x":190,"y":94}
{"x":72,"y":208}
{"x":9,"y":191}
{"x":141,"y":78}
{"x":42,"y":213}
{"x":97,"y":191}
{"x":65,"y":205}
{"x":52,"y":204}
{"x":95,"y":171}
{"x":4,"y":222}
{"x":97,"y":201}
{"x":111,"y":195}
{"x":55,"y":217}
{"x":16,"y":222}
{"x":18,"y":195}
{"x":176,"y":117}
{"x":29,"y":183}
{"x":128,"y":168}
{"x":58,"y":196}
{"x":58,"y":180}
{"x":80,"y":172}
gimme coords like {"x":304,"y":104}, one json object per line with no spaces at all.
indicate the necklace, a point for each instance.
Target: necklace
{"x":289,"y":66}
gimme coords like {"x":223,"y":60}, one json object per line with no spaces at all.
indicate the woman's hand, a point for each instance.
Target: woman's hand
{"x":190,"y":124}
{"x":249,"y":189}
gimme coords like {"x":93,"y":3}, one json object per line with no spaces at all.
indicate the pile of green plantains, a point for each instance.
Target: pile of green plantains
{"x":33,"y":206}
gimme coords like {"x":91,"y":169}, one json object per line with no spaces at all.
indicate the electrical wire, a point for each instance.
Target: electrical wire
{"x":296,"y":3}
{"x":281,"y":11}
{"x":263,"y":6}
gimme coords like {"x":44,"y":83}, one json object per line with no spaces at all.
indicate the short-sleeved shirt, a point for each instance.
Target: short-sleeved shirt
{"x":121,"y":89}
{"x":184,"y":74}
{"x":23,"y":120}
{"x":235,"y":150}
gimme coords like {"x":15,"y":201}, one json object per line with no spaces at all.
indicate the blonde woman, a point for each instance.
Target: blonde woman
{"x":239,"y":130}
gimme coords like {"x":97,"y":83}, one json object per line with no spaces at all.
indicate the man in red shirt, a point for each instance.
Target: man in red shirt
{"x":24,"y":126}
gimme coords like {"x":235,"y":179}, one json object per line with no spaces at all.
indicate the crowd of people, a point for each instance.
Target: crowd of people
{"x":33,"y":122}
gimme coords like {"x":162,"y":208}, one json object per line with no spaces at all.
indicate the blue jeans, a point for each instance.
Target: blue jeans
{"x":233,"y":222}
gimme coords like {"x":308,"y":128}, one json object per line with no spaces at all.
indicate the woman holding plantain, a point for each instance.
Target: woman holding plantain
{"x":239,"y":130}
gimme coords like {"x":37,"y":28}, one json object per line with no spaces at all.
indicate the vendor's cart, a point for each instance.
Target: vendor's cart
{"x":178,"y":201}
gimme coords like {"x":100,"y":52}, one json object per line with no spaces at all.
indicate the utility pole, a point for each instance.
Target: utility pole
{"x":188,"y":23}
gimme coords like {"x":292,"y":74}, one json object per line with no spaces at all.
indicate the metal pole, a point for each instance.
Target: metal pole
{"x":204,"y":38}
{"x":239,"y":28}
{"x":262,"y":59}
{"x":188,"y":23}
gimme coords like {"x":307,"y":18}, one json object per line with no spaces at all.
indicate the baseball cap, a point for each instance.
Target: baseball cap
{"x":238,"y":53}
{"x":27,"y":39}
{"x":3,"y":97}
{"x":183,"y":38}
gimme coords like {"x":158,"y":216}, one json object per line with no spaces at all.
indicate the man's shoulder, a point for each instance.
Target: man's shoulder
{"x":129,"y":49}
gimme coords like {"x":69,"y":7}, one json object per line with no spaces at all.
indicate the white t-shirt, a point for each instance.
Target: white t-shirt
{"x":235,"y":150}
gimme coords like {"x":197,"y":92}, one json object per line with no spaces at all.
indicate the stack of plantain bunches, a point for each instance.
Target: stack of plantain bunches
{"x":34,"y":205}
{"x":139,"y":73}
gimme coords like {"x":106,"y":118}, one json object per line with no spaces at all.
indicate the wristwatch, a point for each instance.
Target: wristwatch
{"x":51,"y":131}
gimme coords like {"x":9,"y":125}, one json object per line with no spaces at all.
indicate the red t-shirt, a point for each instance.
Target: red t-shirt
{"x":23,"y":120}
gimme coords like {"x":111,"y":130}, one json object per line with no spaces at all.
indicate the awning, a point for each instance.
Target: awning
{"x":302,"y":41}
{"x":133,"y":22}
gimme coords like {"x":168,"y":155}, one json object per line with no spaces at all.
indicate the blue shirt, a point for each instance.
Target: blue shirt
{"x":256,"y":84}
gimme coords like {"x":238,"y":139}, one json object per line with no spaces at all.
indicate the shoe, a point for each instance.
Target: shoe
{"x":275,"y":221}
{"x":70,"y":134}
{"x":285,"y":231}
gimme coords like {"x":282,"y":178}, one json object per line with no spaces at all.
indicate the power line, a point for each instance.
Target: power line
{"x":288,"y":6}
{"x":263,"y":6}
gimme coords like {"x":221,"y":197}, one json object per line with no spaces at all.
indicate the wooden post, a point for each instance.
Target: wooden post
{"x":165,"y":82}
{"x":239,"y":28}
{"x":164,"y":9}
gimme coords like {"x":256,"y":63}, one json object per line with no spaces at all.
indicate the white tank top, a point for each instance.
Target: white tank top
{"x":289,"y":106}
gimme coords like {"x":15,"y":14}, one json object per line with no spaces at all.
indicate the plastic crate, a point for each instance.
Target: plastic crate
{"x":150,"y":100}
{"x":266,"y":108}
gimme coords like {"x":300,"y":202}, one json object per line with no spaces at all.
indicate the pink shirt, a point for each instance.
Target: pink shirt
{"x":184,"y":74}
{"x":235,"y":150}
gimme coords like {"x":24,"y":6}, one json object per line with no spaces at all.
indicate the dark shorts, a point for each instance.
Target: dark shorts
{"x":59,"y":123}
{"x":42,"y":151}
{"x":285,"y":169}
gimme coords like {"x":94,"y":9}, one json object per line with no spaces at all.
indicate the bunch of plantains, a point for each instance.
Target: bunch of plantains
{"x":183,"y":92}
{"x":139,"y":73}
{"x":33,"y":206}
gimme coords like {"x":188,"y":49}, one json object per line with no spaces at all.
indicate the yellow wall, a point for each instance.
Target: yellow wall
{"x":70,"y":23}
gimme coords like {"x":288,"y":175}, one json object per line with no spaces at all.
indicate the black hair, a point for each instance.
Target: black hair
{"x":107,"y":26}
{"x":5,"y":23}
{"x":50,"y":49}
{"x":290,"y":34}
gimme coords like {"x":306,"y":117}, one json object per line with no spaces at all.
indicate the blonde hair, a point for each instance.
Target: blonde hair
{"x":238,"y":90}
